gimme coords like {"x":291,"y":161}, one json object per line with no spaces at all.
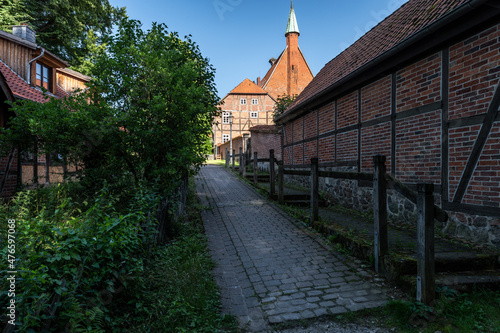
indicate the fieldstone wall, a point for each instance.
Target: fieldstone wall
{"x":356,"y":195}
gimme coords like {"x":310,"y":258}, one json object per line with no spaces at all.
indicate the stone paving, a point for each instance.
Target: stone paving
{"x":270,"y":270}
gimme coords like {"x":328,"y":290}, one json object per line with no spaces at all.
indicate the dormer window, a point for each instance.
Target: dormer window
{"x":43,"y":75}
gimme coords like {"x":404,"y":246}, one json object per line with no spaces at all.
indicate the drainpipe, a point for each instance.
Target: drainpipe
{"x":28,"y":66}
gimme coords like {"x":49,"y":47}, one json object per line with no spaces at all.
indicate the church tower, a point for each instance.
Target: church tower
{"x":293,"y":53}
{"x":290,"y":73}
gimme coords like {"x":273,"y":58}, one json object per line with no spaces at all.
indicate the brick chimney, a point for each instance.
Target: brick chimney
{"x":24,"y":31}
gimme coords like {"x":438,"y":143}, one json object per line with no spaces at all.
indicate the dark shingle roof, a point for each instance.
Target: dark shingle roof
{"x":402,"y":24}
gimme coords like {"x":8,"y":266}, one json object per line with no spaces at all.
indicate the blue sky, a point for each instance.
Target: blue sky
{"x":240,"y":36}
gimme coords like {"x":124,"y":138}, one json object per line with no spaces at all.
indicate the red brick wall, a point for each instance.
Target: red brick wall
{"x":298,"y":154}
{"x":310,"y":151}
{"x":376,"y":99}
{"x":327,"y":149}
{"x":311,"y":125}
{"x":263,"y":142}
{"x":474,"y":74}
{"x":474,"y":68}
{"x":298,"y":130}
{"x":418,"y":148}
{"x":375,"y":140}
{"x":327,"y":118}
{"x":461,"y":140}
{"x":419,"y":84}
{"x":347,"y":109}
{"x":292,"y":73}
{"x":484,"y":188}
{"x":347,"y":146}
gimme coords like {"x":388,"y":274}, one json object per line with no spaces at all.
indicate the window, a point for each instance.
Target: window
{"x":43,"y":76}
{"x":255,"y":101}
{"x":243,"y":101}
{"x":225,"y":117}
{"x":225,"y":138}
{"x":254,"y":115}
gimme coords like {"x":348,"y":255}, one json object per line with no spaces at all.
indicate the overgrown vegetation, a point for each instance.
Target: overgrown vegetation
{"x":93,"y":265}
{"x":84,"y":249}
{"x":282,"y":103}
{"x":181,"y":293}
{"x":476,"y":311}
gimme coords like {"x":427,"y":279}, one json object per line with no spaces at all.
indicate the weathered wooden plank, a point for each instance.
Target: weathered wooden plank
{"x":426,"y":279}
{"x":347,"y":175}
{"x":411,"y":195}
{"x":297,"y":172}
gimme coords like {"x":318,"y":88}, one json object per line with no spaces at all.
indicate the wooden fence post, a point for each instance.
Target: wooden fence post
{"x":19,"y":169}
{"x":243,"y":165}
{"x":240,"y":169}
{"x":271,"y":173}
{"x":380,"y":211}
{"x":47,"y":169}
{"x":233,"y":158}
{"x":35,"y":162}
{"x":426,"y":282}
{"x":314,"y":189}
{"x":255,"y":167}
{"x":281,"y":185}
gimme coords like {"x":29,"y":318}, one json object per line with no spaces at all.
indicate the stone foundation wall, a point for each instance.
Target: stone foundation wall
{"x":359,"y":196}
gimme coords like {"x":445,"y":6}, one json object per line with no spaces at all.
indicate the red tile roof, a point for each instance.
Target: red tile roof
{"x":247,"y":87}
{"x":403,"y":23}
{"x":264,"y":129}
{"x":20,"y":88}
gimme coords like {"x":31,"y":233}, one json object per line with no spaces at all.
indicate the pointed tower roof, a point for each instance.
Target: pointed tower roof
{"x":292,"y":22}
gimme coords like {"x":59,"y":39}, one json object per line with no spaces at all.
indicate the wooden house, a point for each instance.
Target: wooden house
{"x":29,"y":72}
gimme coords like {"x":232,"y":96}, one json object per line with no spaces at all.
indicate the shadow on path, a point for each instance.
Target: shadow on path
{"x":269,"y":270}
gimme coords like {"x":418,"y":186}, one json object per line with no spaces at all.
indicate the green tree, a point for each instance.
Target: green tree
{"x":164,"y":95}
{"x":282,"y":103}
{"x":146,"y":115}
{"x":12,"y":12}
{"x":62,"y":26}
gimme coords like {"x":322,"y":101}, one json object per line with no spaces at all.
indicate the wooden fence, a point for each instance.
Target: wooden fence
{"x":423,"y":198}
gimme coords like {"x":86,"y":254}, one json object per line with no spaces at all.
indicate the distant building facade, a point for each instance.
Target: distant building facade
{"x":251,"y":103}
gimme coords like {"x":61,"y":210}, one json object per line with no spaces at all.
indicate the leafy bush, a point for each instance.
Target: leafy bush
{"x":76,"y":258}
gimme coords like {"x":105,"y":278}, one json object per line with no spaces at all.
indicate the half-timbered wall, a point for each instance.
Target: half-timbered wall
{"x":242,"y":120}
{"x":436,"y":120}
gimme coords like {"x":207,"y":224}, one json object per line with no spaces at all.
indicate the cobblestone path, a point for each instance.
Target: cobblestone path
{"x":270,"y":270}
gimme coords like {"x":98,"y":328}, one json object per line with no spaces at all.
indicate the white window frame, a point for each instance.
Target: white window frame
{"x":225,"y":117}
{"x":254,"y":114}
{"x":255,"y":101}
{"x":225,"y":138}
{"x":243,"y":101}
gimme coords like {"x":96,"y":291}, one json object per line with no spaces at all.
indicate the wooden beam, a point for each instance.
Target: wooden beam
{"x":481,"y":139}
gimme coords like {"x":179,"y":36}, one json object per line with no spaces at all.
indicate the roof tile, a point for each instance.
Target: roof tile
{"x":403,"y":23}
{"x":249,"y":88}
{"x":20,"y":88}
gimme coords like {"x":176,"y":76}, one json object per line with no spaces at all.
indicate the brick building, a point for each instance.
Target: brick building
{"x":422,"y":88}
{"x":252,"y":103}
{"x":26,"y":68}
